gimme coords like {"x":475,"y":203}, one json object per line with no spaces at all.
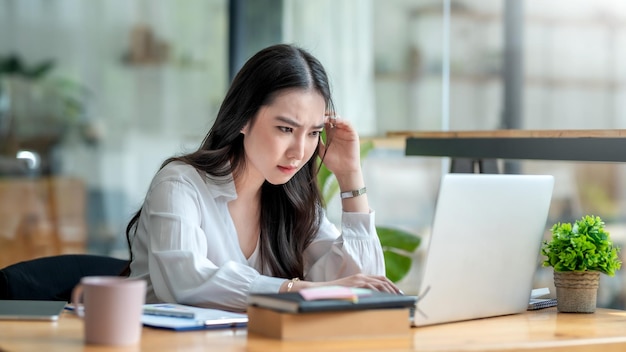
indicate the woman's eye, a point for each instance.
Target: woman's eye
{"x":285,"y":129}
{"x":316,"y":133}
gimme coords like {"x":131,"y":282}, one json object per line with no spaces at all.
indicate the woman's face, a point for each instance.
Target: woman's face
{"x":284,"y":135}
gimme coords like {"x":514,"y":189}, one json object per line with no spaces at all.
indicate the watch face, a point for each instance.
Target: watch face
{"x":353,"y":193}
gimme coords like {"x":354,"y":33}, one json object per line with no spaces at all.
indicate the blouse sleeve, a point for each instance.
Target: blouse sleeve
{"x":356,"y":250}
{"x":177,"y":248}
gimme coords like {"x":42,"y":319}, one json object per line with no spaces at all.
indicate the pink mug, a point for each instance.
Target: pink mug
{"x":112,"y":308}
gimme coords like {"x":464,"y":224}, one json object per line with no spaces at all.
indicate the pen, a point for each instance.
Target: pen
{"x":169,"y":312}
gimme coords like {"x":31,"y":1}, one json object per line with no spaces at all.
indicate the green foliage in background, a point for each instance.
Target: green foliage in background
{"x":397,"y":244}
{"x":585,"y":246}
{"x":13,"y":65}
{"x":67,"y":99}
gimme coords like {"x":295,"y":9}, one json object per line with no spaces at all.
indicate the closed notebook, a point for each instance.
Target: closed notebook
{"x":541,"y":303}
{"x":294,"y":302}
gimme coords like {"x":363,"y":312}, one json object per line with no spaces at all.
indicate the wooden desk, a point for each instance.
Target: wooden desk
{"x":470,"y":147}
{"x":544,"y":330}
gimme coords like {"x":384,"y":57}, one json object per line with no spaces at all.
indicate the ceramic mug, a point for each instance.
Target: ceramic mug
{"x":111,"y":309}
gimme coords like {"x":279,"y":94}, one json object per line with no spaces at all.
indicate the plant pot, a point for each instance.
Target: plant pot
{"x":576,"y":291}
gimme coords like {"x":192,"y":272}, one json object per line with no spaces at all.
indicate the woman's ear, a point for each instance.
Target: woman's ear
{"x":245,"y":128}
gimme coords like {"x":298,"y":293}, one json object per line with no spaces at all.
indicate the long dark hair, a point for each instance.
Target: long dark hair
{"x":290,"y":213}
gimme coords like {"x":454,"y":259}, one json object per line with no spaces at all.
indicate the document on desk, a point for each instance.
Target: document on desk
{"x":536,"y":303}
{"x":168,"y":316}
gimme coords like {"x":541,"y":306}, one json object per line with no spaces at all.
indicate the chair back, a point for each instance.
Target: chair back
{"x":54,"y":277}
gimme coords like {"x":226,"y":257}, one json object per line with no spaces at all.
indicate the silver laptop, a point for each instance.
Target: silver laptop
{"x":484,"y":247}
{"x":30,"y":310}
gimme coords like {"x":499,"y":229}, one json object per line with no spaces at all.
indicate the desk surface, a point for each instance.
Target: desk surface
{"x":544,"y":330}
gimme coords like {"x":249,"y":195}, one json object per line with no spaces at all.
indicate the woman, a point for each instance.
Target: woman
{"x":244,"y":213}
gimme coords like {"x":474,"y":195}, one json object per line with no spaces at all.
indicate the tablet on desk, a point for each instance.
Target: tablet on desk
{"x":30,"y":310}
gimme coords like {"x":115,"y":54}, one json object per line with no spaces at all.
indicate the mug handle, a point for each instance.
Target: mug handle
{"x":77,"y":295}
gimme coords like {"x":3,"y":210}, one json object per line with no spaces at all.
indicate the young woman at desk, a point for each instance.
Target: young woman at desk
{"x":243,"y":213}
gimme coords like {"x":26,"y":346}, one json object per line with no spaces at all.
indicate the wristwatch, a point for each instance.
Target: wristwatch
{"x":353,"y":193}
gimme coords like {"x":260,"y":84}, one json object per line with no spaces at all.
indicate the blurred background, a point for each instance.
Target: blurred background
{"x":94,"y":95}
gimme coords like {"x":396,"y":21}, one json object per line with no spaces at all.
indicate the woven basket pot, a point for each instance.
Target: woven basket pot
{"x":576,"y":292}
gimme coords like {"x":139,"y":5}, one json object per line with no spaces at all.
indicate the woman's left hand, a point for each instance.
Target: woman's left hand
{"x":343,"y":153}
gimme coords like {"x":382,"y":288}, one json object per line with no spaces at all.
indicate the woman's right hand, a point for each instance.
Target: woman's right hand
{"x":372,"y":282}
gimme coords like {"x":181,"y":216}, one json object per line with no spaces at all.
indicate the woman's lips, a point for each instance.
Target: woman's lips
{"x":287,"y":169}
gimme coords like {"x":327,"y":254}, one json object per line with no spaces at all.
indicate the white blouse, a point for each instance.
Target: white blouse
{"x":186,"y":245}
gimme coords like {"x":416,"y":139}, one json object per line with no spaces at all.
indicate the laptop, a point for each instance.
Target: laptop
{"x":484,"y":247}
{"x":31,"y":310}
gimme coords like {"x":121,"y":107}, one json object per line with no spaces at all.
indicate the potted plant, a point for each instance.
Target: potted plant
{"x":397,"y":244}
{"x":579,"y":253}
{"x":37,"y":109}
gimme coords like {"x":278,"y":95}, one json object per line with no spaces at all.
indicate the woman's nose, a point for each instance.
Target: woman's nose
{"x":296,"y":149}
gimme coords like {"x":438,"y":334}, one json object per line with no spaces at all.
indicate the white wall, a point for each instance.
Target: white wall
{"x":339,"y":34}
{"x":573,"y":52}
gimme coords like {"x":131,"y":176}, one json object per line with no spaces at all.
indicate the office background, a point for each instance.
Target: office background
{"x":135,"y":81}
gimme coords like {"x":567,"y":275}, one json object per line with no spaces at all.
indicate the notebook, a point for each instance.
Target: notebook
{"x":484,"y":247}
{"x":314,"y":300}
{"x":30,"y":310}
{"x":182,"y":317}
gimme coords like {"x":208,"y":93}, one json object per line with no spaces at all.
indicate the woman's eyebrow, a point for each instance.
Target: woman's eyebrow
{"x":294,"y":123}
{"x":288,"y":121}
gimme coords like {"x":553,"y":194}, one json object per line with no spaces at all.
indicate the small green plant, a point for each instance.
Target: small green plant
{"x":397,"y":244}
{"x":66,"y":101}
{"x":585,"y":246}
